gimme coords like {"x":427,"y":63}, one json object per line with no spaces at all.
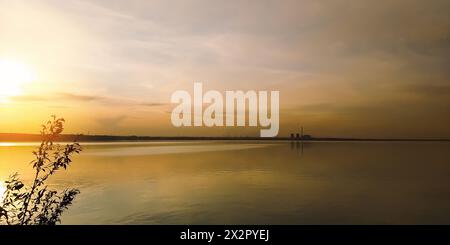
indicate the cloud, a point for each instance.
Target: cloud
{"x":371,"y":60}
{"x":153,"y":104}
{"x":29,"y":98}
{"x":56,"y":97}
{"x":77,"y":97}
{"x":430,"y":90}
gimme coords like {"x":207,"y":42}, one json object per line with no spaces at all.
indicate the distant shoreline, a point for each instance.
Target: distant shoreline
{"x":16,"y":137}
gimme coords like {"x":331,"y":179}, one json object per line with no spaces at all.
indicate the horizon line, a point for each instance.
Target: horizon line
{"x":15,"y":137}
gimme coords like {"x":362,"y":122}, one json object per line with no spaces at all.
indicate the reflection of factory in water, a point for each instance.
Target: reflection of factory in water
{"x":300,"y":136}
{"x":297,"y":141}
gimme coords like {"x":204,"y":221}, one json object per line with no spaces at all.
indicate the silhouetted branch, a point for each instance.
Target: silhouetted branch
{"x":37,"y":205}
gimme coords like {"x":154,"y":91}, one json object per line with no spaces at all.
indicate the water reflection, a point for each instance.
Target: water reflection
{"x":253,"y":183}
{"x":300,"y":146}
{"x":173,"y":149}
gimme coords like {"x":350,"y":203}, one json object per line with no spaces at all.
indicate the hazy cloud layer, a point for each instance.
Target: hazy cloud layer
{"x":359,"y":68}
{"x":56,"y":97}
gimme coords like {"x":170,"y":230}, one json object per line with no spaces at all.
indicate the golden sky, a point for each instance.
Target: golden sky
{"x":344,"y":68}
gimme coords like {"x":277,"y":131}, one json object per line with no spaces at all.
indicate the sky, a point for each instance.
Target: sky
{"x":344,"y":68}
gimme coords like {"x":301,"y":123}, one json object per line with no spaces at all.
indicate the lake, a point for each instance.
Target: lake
{"x":249,"y":182}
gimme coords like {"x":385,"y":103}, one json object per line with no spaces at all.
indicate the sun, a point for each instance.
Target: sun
{"x":13,"y":76}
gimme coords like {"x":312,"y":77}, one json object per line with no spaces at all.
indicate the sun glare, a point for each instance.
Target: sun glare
{"x":13,"y":76}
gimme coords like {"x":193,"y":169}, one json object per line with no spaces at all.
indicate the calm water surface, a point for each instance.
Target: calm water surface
{"x":252,"y":182}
